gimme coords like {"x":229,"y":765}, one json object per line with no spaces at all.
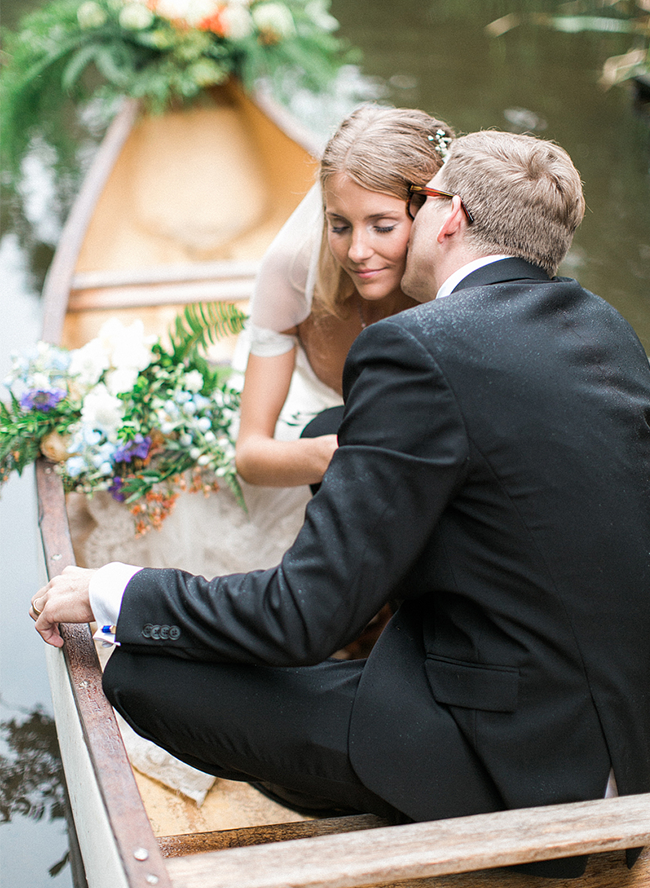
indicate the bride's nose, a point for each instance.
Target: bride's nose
{"x":360,"y":247}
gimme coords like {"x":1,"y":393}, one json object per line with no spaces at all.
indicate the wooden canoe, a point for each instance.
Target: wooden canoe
{"x":142,"y":240}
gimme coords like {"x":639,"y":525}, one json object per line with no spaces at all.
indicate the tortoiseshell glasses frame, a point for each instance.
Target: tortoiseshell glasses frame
{"x":418,"y":195}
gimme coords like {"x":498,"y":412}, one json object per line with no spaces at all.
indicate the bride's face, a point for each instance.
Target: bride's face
{"x":368,"y":234}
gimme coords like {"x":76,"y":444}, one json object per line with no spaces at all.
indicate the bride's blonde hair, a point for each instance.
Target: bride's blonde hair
{"x":385,"y":150}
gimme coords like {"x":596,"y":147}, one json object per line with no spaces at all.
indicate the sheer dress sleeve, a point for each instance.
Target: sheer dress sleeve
{"x":284,"y":288}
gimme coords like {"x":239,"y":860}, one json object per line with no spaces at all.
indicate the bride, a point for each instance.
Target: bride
{"x":334,"y":268}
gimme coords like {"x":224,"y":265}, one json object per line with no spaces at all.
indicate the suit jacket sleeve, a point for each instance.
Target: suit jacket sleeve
{"x":403,"y":450}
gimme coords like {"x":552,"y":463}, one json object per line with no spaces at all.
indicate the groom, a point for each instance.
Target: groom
{"x":494,"y":475}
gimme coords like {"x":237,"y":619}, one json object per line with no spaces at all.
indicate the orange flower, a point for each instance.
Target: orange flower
{"x":214,"y":23}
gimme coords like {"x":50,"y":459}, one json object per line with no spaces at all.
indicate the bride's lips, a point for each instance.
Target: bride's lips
{"x":367,"y":274}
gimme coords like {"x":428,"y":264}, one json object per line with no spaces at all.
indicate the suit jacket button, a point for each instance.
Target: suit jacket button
{"x":164,"y":632}
{"x":174,"y":632}
{"x":146,"y":632}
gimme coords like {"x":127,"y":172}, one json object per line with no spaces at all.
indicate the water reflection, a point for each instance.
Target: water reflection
{"x":441,"y":56}
{"x":31,"y":773}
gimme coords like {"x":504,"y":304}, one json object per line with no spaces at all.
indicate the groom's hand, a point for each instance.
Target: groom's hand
{"x":65,"y":599}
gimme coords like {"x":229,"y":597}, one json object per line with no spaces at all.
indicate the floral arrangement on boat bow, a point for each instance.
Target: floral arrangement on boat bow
{"x":127,"y":414}
{"x":161,"y":51}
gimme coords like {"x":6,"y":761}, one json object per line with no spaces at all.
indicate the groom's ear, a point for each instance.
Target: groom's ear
{"x":453,"y":220}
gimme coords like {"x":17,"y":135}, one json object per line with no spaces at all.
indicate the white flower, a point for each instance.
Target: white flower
{"x":88,"y":363}
{"x":317,"y":10}
{"x":40,"y":381}
{"x":191,"y":11}
{"x":121,"y":380}
{"x":237,"y":22}
{"x":274,"y":20}
{"x":126,"y":346}
{"x":102,"y":411}
{"x":193,"y":381}
{"x":135,"y":17}
{"x":90,"y":15}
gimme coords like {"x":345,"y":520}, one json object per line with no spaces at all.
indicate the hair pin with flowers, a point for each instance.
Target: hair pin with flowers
{"x":442,"y":142}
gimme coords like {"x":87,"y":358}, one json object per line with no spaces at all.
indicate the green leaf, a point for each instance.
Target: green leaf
{"x":114,"y":62}
{"x":202,"y":324}
{"x":78,"y":63}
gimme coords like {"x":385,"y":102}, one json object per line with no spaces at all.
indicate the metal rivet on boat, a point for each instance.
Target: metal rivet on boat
{"x":152,"y":880}
{"x":141,"y":854}
{"x":56,"y":557}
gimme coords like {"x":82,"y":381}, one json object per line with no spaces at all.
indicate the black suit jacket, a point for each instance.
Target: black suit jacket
{"x":493,"y":474}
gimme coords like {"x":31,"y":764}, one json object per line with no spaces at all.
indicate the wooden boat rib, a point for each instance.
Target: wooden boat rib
{"x":148,"y":276}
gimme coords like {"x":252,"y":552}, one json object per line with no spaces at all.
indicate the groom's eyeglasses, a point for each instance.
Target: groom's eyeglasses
{"x":419,"y":194}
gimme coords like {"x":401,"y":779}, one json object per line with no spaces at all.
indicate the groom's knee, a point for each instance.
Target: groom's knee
{"x":119,"y":681}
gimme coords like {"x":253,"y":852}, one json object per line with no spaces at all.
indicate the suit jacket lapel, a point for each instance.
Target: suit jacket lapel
{"x":501,"y":271}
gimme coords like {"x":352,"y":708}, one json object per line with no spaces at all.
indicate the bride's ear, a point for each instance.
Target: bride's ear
{"x":453,"y":220}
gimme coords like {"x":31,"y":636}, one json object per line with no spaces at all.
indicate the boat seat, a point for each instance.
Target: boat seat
{"x":174,"y":284}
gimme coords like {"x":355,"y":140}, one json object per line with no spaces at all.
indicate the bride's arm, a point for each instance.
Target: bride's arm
{"x":260,"y":458}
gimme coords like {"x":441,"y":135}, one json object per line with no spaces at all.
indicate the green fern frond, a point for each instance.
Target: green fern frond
{"x":202,"y":324}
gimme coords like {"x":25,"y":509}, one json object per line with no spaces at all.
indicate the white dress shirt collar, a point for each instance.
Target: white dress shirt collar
{"x":454,"y":279}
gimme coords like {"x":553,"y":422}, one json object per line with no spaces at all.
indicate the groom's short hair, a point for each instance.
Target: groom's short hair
{"x":524,"y":193}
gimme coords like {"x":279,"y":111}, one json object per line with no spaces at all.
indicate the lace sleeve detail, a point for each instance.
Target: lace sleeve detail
{"x":267,"y":343}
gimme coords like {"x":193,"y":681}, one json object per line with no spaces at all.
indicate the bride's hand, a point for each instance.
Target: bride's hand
{"x":321,"y":453}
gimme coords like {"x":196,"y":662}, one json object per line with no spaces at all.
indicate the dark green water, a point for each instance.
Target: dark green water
{"x":435,"y":55}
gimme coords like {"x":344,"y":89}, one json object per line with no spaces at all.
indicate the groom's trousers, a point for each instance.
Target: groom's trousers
{"x":287,"y":727}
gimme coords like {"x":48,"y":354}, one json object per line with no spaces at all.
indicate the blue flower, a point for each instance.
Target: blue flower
{"x":201,"y":401}
{"x":139,"y":447}
{"x":115,"y":489}
{"x":75,"y":466}
{"x":41,"y":399}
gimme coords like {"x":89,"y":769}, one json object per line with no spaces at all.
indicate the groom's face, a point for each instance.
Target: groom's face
{"x":420,"y":279}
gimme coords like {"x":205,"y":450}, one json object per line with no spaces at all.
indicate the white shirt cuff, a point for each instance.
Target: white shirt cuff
{"x":106,"y":591}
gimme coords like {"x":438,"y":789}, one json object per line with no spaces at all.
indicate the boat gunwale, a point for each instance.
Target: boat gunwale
{"x":132,"y":829}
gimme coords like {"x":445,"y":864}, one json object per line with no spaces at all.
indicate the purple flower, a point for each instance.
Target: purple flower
{"x":139,"y":447}
{"x":116,"y":489}
{"x":41,"y":399}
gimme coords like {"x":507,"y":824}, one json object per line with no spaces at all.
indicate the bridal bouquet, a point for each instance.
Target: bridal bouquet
{"x":127,"y":414}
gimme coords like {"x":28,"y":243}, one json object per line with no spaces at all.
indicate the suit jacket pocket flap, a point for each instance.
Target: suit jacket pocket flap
{"x":473,"y":685}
